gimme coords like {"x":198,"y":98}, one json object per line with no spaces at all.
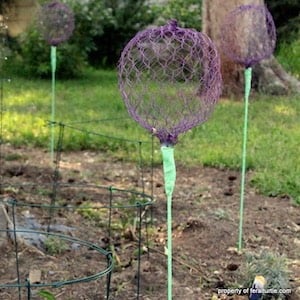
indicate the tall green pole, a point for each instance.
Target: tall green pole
{"x":169,"y":169}
{"x":248,"y":76}
{"x":52,"y":120}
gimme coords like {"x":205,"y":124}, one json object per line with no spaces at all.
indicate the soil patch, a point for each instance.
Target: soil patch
{"x":205,"y":227}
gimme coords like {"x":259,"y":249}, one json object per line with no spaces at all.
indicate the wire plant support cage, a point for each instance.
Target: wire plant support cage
{"x":47,"y":222}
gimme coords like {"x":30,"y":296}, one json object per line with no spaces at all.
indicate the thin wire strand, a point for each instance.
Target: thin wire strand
{"x":16,"y":248}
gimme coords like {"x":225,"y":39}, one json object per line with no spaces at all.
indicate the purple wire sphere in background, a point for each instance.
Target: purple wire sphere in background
{"x":248,"y":34}
{"x":56,"y":22}
{"x":170,"y":79}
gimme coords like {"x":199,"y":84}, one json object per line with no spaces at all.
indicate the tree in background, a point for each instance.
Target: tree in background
{"x":103,"y":27}
{"x":127,"y":18}
{"x":30,"y":51}
{"x":18,"y":14}
{"x":186,"y":12}
{"x":131,"y":16}
{"x":268,"y":76}
{"x":287,"y":18}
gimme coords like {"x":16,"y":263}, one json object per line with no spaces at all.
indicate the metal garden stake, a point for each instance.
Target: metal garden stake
{"x":56,"y":22}
{"x":248,"y":36}
{"x":170,"y":81}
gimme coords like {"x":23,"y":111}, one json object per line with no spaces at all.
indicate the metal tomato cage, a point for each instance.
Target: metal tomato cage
{"x":35,"y":210}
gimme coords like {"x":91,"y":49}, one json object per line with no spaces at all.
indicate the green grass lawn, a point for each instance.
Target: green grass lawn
{"x":288,"y":56}
{"x":274,"y":128}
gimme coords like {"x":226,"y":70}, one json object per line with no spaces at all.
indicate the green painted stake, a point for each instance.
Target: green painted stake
{"x":248,"y":76}
{"x":170,"y":178}
{"x":52,"y":120}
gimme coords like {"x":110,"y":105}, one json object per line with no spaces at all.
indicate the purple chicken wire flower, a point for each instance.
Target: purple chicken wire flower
{"x":248,"y":34}
{"x":170,"y":80}
{"x":56,"y":22}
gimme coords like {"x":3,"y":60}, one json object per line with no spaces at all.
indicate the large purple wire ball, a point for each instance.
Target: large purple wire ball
{"x":248,"y":34}
{"x":170,"y":79}
{"x":56,"y":22}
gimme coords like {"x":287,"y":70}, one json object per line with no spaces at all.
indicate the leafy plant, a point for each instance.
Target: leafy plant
{"x":54,"y":245}
{"x":273,"y":267}
{"x":94,"y":212}
{"x":46,"y":295}
{"x":221,"y":214}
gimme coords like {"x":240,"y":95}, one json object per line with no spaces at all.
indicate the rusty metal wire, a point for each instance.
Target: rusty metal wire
{"x":170,"y":79}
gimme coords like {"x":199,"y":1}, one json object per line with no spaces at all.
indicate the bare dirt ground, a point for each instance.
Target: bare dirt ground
{"x":205,"y":229}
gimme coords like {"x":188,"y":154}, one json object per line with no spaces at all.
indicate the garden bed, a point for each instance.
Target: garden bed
{"x":205,"y":228}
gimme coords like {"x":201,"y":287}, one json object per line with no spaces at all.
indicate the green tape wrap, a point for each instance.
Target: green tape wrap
{"x":169,"y":169}
{"x":53,"y":58}
{"x":248,"y":78}
{"x":53,"y":69}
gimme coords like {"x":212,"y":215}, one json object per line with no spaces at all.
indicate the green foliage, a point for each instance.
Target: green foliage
{"x":54,"y":245}
{"x":127,"y":18}
{"x":31,"y":57}
{"x":123,"y":220}
{"x":288,"y":56}
{"x":186,"y":12}
{"x":46,"y":295}
{"x":286,"y":17}
{"x":93,"y":212}
{"x":13,"y":157}
{"x":31,"y":53}
{"x":102,"y":28}
{"x":90,"y":17}
{"x":273,"y":267}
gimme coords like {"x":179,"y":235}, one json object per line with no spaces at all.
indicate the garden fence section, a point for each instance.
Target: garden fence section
{"x":67,"y":238}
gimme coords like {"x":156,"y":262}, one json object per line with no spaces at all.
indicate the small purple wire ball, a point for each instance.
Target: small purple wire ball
{"x":56,"y":22}
{"x":170,"y":79}
{"x":248,"y":34}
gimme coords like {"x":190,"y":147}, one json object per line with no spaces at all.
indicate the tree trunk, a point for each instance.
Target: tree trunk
{"x":18,"y":15}
{"x":268,"y":75}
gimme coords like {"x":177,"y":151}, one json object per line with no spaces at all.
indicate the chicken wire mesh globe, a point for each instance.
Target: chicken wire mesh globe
{"x":170,"y":79}
{"x":248,"y":34}
{"x":56,"y":22}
